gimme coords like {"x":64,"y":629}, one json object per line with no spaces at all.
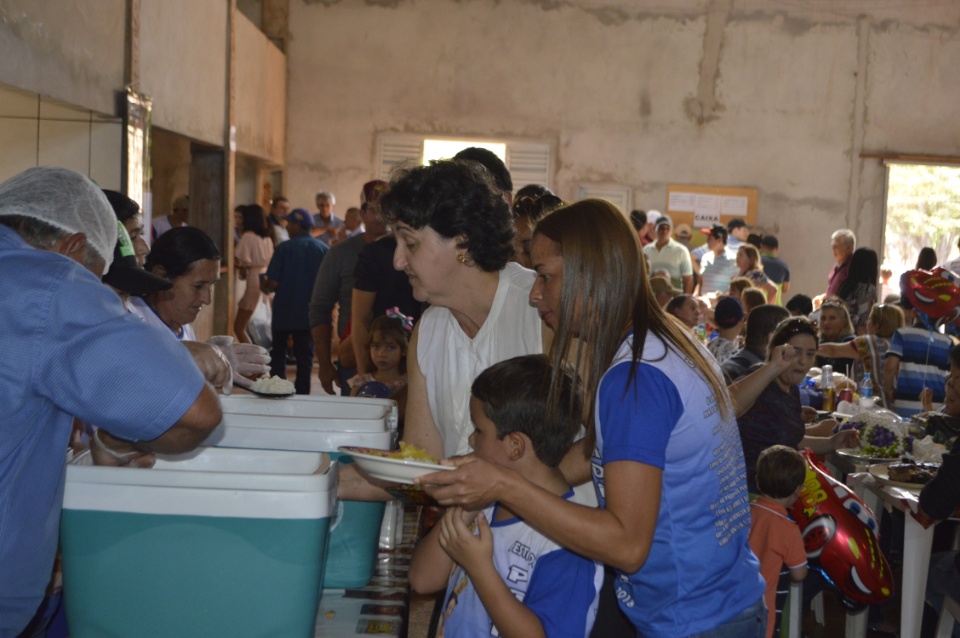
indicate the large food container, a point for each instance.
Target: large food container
{"x":217,"y":542}
{"x":320,"y":424}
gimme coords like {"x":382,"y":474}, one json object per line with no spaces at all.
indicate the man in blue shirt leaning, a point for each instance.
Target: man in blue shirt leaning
{"x":61,"y":331}
{"x":291,"y":274}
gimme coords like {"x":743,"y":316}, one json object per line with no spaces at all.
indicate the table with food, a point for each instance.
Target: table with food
{"x":893,"y":462}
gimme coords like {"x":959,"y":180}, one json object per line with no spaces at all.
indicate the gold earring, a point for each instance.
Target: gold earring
{"x":462,"y":259}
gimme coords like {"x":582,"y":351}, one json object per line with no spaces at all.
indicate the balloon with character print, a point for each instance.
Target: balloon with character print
{"x":935,"y":297}
{"x":840,"y":535}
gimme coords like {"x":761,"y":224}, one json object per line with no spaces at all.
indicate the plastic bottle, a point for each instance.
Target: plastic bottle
{"x":828,"y":388}
{"x":865,"y":390}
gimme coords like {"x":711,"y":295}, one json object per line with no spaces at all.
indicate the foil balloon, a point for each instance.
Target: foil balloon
{"x":935,"y":297}
{"x":374,"y":390}
{"x":840,"y":537}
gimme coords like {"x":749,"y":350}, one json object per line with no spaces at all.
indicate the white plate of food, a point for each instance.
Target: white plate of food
{"x":395,"y":466}
{"x":908,"y":475}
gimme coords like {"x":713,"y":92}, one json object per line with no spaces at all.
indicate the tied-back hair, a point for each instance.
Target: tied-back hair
{"x":753,"y":255}
{"x":835,"y":303}
{"x":790,"y":328}
{"x":178,"y":249}
{"x":887,"y":318}
{"x":605,"y":281}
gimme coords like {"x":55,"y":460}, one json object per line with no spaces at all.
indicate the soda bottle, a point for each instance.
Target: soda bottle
{"x":828,"y":388}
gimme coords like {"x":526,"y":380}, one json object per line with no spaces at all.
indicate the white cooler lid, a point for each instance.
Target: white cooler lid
{"x":245,"y":483}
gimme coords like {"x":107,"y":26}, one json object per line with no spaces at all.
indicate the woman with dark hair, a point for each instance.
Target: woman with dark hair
{"x":859,"y":289}
{"x":661,"y":442}
{"x":775,"y":416}
{"x":455,"y":241}
{"x":128,"y":212}
{"x":686,"y":309}
{"x":927,"y":259}
{"x":252,"y":256}
{"x":187,"y":257}
{"x":528,"y":207}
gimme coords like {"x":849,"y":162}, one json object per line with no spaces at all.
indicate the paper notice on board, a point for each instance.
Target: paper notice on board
{"x":733,"y":206}
{"x":682,"y":202}
{"x":706,"y":211}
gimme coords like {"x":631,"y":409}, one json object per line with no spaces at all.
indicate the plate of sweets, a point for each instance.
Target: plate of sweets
{"x":908,"y":474}
{"x":395,"y":466}
{"x":883,"y":436}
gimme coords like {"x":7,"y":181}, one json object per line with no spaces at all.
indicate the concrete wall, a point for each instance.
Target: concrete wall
{"x":261,"y":94}
{"x":70,"y":51}
{"x":642,"y":93}
{"x":183,"y":66}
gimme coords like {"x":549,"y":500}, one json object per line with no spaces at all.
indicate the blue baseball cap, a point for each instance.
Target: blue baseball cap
{"x":300,"y":216}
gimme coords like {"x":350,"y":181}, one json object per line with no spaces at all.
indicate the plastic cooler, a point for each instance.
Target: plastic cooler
{"x":320,"y":424}
{"x":216,"y":542}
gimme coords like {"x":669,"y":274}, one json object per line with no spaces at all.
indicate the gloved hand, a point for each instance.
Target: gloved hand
{"x":246,"y":359}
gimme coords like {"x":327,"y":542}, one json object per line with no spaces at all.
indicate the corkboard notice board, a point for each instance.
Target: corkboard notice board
{"x":703,"y":206}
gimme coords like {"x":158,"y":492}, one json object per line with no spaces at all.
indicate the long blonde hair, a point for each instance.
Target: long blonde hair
{"x":604,"y":275}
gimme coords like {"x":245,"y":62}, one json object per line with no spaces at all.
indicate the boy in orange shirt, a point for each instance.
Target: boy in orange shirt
{"x":774,"y":537}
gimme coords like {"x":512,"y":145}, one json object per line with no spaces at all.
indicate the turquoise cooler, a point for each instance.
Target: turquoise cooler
{"x":320,"y":424}
{"x":216,"y":542}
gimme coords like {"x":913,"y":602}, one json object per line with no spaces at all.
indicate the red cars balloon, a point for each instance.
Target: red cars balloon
{"x":935,"y":296}
{"x":840,"y":535}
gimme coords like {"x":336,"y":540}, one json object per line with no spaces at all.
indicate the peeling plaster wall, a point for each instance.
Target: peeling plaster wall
{"x":70,"y":51}
{"x":643,"y":93}
{"x":183,"y":66}
{"x":261,"y":93}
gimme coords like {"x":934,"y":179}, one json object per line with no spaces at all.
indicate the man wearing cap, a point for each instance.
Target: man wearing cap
{"x":774,"y":268}
{"x":63,"y":334}
{"x":334,"y":284}
{"x":719,"y":264}
{"x":669,"y":254}
{"x":737,"y":233}
{"x":729,"y":318}
{"x":291,"y":274}
{"x":663,"y":290}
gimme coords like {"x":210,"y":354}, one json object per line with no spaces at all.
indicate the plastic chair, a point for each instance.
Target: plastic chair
{"x":792,"y":616}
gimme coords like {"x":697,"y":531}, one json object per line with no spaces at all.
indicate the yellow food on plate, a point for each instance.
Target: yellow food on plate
{"x":414,"y":453}
{"x":406,"y":452}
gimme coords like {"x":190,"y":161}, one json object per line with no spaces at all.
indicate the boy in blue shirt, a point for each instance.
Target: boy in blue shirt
{"x":503,"y":577}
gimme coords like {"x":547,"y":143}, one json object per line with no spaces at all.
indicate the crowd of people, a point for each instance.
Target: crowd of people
{"x":624,"y":410}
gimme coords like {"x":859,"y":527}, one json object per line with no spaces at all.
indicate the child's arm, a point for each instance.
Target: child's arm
{"x":475,"y":554}
{"x":797,"y":574}
{"x":430,"y":566}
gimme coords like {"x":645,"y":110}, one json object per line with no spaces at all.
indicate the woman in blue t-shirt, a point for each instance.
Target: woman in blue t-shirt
{"x":662,"y":445}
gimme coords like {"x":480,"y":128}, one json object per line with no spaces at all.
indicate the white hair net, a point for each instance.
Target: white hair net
{"x":65,"y":199}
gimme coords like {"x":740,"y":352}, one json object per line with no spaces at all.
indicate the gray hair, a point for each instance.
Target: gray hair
{"x":43,"y":236}
{"x":327,"y":196}
{"x":846,"y":235}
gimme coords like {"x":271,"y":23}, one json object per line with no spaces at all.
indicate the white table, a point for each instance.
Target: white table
{"x":917,"y":542}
